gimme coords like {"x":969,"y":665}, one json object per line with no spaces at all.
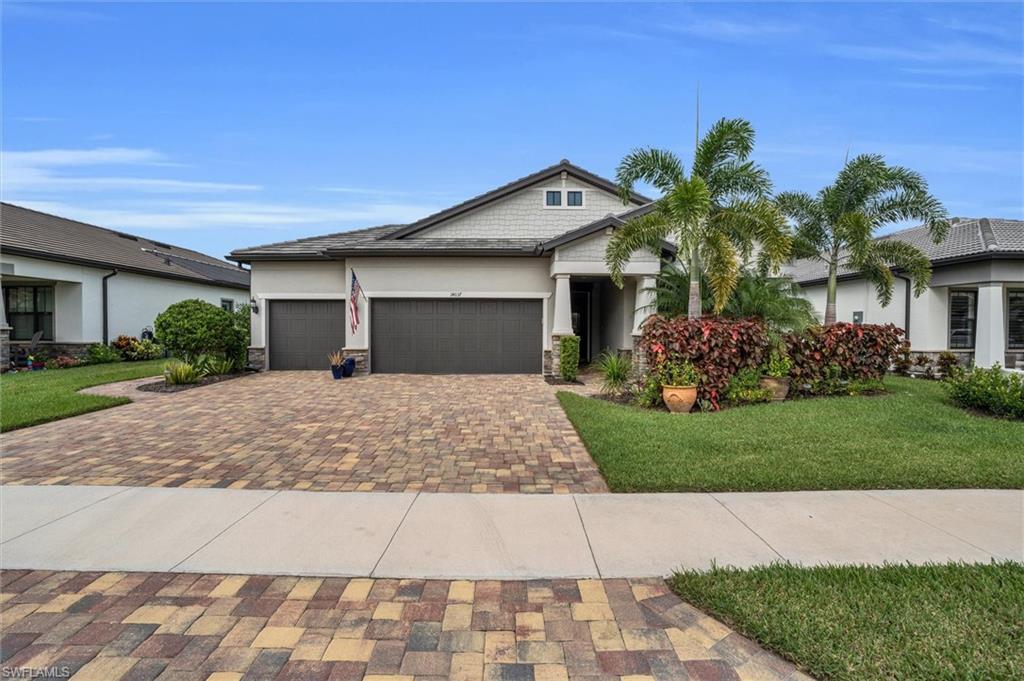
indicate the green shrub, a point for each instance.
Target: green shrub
{"x":678,"y":373}
{"x":778,"y":365}
{"x":990,"y":390}
{"x":949,"y":364}
{"x":647,"y":392}
{"x":194,"y":327}
{"x":141,"y":350}
{"x":98,"y":353}
{"x":569,"y":357}
{"x":242,"y":320}
{"x":615,"y":370}
{"x":177,"y":372}
{"x":122,"y":343}
{"x":217,"y":366}
{"x":745,"y":388}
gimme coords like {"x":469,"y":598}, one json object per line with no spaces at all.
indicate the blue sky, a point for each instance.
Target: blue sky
{"x":217,"y":126}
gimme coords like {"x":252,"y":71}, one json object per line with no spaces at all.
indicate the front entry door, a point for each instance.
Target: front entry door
{"x":581,"y":322}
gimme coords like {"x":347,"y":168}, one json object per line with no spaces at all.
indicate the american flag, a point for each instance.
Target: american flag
{"x":353,"y":303}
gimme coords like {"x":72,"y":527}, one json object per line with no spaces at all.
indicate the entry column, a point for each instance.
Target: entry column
{"x":990,"y":338}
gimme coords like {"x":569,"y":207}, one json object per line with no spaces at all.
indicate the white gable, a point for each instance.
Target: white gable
{"x":523,"y":215}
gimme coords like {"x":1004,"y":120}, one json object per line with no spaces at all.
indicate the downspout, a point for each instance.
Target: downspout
{"x":105,"y":277}
{"x":906,"y":306}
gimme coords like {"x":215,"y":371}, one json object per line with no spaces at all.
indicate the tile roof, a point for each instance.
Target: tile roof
{"x":40,"y":235}
{"x":968,"y":237}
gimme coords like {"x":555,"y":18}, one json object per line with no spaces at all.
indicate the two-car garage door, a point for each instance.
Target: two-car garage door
{"x":416,"y":336}
{"x":455,"y":336}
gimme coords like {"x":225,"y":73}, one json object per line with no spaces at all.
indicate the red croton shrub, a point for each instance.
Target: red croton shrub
{"x":858,"y":351}
{"x":717,"y":348}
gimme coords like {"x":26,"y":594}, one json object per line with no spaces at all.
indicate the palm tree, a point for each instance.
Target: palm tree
{"x":715,"y":215}
{"x":775,"y":300}
{"x":838,"y":225}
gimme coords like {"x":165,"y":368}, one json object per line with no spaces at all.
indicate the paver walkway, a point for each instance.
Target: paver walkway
{"x":303,"y":430}
{"x":495,"y":536}
{"x":110,"y":626}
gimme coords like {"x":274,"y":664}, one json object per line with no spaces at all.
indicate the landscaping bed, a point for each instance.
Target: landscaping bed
{"x":872,"y":623}
{"x":165,"y":387}
{"x":910,"y":438}
{"x":32,"y":397}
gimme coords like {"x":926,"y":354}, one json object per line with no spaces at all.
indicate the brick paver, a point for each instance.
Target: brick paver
{"x":114,"y":626}
{"x":303,"y":430}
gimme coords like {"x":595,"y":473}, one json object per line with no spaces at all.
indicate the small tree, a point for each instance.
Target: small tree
{"x":195,"y":327}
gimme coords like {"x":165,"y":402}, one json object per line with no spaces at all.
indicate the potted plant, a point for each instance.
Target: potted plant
{"x":776,"y":376}
{"x":337,"y":363}
{"x":679,"y":386}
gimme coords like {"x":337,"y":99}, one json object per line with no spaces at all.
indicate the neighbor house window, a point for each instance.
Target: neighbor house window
{"x":1015,"y":320}
{"x":553,"y":198}
{"x":29,"y":311}
{"x":574,"y":198}
{"x":963,"y":319}
{"x":227,"y":304}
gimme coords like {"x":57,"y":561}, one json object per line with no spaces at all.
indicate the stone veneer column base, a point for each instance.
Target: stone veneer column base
{"x":555,"y":361}
{"x":639,"y":357}
{"x":257,"y":358}
{"x":362,"y":358}
{"x":5,"y":348}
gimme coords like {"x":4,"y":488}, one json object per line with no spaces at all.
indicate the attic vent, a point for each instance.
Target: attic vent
{"x":127,"y":236}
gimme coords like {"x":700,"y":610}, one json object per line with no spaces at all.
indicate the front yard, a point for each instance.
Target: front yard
{"x":873,"y":623}
{"x":31,"y":397}
{"x":910,"y":438}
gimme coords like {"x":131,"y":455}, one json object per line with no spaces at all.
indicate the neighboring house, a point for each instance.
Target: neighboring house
{"x":80,"y":284}
{"x":973,"y":307}
{"x":486,"y":286}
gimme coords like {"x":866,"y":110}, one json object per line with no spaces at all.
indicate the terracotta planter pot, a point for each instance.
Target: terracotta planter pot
{"x":778,"y":385}
{"x":679,"y":398}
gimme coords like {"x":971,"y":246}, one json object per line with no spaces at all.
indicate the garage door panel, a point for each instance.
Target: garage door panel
{"x":303,"y":332}
{"x":456,"y":336}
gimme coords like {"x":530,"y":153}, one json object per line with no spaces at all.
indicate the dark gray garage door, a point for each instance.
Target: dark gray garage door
{"x":455,"y":336}
{"x":302,"y":332}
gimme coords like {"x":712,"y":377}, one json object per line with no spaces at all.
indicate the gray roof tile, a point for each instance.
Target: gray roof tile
{"x":967,"y":237}
{"x":34,"y":234}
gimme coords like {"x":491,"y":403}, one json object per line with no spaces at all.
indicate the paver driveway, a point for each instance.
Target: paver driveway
{"x":302,"y":430}
{"x":145,"y":626}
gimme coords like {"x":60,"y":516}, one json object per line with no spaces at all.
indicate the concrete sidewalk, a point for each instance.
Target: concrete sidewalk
{"x":500,"y":536}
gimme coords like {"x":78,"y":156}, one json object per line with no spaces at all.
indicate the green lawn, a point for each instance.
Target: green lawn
{"x":873,"y":623}
{"x":31,"y":397}
{"x":910,"y":438}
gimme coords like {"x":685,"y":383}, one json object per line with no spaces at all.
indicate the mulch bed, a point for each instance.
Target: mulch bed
{"x":161,"y":387}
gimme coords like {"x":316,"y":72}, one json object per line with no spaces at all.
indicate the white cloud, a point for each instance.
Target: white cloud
{"x":47,"y":170}
{"x":993,"y":58}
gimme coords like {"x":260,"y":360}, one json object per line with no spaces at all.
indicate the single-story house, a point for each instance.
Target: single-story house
{"x":974,"y":305}
{"x":485,"y":286}
{"x":80,"y":284}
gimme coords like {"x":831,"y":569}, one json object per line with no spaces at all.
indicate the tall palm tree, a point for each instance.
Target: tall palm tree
{"x":837,"y":226}
{"x":716,"y":214}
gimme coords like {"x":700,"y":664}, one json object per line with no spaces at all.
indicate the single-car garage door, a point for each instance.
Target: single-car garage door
{"x":302,"y":332}
{"x":456,"y":336}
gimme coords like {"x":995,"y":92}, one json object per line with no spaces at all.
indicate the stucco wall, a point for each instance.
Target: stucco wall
{"x":523,"y":215}
{"x":134,"y":300}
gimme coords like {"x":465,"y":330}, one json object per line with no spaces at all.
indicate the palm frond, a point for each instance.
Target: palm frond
{"x":738,"y":179}
{"x":879,"y":274}
{"x":657,"y":167}
{"x":911,"y":205}
{"x":642,"y":232}
{"x":721,"y":267}
{"x":910,"y":259}
{"x":729,"y":139}
{"x":689,"y":202}
{"x":750,"y":223}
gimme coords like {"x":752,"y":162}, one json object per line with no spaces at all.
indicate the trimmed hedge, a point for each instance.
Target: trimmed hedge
{"x":844,"y":351}
{"x":721,"y":348}
{"x":569,"y":357}
{"x":717,"y":348}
